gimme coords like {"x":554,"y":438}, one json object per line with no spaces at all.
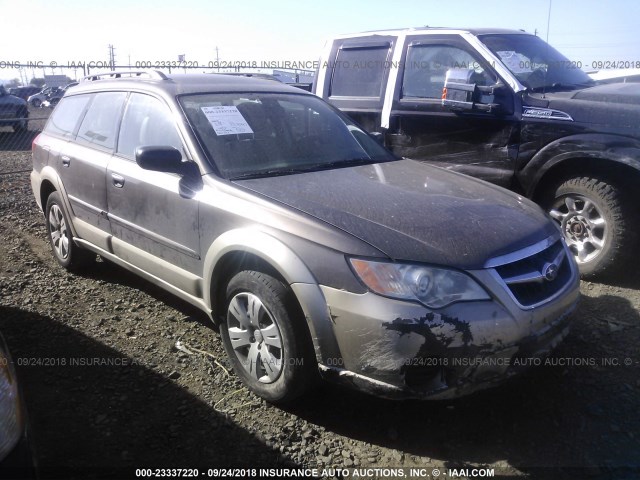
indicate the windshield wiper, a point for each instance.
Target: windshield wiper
{"x":342,"y":163}
{"x":559,"y":86}
{"x":308,"y":168}
{"x":267,"y":173}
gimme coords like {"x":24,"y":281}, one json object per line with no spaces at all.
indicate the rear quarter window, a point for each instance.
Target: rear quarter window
{"x":100,"y":124}
{"x":67,"y":115}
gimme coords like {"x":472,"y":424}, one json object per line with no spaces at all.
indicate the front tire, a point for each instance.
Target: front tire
{"x":596,"y":220}
{"x":266,"y":339}
{"x":67,"y":253}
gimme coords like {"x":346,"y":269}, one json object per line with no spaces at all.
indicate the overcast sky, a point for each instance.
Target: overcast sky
{"x":248,"y":30}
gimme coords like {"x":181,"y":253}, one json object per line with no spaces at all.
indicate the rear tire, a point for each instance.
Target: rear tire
{"x":266,"y":337}
{"x":596,"y":219}
{"x":65,"y":251}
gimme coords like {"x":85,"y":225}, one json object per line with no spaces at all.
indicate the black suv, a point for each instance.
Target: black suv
{"x":309,"y":244}
{"x":13,"y":111}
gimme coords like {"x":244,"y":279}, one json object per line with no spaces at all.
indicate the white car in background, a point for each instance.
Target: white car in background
{"x":625,"y":75}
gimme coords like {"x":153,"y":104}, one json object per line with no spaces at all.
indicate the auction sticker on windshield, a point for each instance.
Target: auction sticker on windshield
{"x":226,"y":120}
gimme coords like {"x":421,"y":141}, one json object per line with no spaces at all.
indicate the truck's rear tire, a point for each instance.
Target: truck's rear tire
{"x":596,"y":220}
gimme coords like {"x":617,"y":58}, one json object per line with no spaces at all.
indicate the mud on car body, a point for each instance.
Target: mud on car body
{"x":309,"y":244}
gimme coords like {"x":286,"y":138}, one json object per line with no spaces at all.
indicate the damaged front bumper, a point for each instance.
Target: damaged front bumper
{"x":398,"y":349}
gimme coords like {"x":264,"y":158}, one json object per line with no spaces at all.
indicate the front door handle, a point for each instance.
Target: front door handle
{"x":66,"y":161}
{"x":118,"y":180}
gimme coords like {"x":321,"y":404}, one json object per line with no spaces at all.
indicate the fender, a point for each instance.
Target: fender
{"x":290,"y":267}
{"x":612,"y":148}
{"x":50,"y":174}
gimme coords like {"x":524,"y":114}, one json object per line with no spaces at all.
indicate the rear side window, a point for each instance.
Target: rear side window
{"x":146,"y":122}
{"x":358,"y":72}
{"x":66,"y":116}
{"x":100,"y":124}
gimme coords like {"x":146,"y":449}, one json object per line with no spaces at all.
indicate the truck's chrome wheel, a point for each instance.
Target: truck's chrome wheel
{"x":255,"y":337}
{"x":583,"y":225}
{"x":58,"y":232}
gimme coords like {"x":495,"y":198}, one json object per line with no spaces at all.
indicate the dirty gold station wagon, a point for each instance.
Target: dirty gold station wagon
{"x":309,"y":245}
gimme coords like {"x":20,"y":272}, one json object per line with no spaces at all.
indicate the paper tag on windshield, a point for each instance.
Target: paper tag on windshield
{"x":226,"y":120}
{"x":516,"y":62}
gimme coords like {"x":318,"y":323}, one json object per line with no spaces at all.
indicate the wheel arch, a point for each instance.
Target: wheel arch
{"x":250,"y":248}
{"x":50,"y":182}
{"x":565,"y":166}
{"x":579,"y":154}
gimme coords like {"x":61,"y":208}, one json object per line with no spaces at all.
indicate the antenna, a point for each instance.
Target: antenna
{"x":544,"y":86}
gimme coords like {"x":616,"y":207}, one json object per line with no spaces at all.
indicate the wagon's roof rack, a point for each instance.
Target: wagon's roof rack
{"x":152,"y":74}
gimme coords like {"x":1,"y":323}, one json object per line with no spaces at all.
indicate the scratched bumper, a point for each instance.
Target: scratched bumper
{"x":399,"y":349}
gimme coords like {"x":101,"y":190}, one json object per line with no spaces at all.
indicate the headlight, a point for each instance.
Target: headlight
{"x":433,"y":287}
{"x":10,"y":414}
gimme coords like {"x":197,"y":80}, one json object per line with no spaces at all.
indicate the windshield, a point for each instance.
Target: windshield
{"x":536,"y":64}
{"x":262,"y":134}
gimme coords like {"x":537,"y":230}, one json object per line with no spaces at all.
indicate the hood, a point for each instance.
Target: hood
{"x":612,"y":106}
{"x":414,"y":212}
{"x":623,"y":93}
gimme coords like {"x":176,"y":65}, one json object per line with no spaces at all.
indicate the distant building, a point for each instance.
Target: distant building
{"x":56,"y":80}
{"x":294,"y":76}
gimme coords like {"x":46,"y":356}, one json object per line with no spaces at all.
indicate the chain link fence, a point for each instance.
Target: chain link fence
{"x":16,"y":140}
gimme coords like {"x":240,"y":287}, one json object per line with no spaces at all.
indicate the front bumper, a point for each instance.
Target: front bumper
{"x":399,"y":349}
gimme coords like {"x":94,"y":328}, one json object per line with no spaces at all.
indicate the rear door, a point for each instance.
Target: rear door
{"x":82,"y":162}
{"x":153,"y":226}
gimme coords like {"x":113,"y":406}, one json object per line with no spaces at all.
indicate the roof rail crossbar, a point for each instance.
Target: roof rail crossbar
{"x":155,"y":74}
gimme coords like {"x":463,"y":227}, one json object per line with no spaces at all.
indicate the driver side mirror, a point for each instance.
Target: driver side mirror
{"x":462,"y":93}
{"x":169,"y":159}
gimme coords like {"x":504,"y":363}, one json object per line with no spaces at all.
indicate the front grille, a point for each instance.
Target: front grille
{"x":538,"y":277}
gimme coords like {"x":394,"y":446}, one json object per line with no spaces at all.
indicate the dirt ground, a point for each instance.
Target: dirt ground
{"x":107,"y":390}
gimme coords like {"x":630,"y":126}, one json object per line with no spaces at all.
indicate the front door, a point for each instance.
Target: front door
{"x":480,"y":144}
{"x":154,"y":227}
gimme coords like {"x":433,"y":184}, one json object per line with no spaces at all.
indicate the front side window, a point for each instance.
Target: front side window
{"x":262,"y":134}
{"x":65,"y":117}
{"x":146,"y":122}
{"x":100,"y":123}
{"x":426,"y":68}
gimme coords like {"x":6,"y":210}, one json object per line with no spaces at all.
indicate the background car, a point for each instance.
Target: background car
{"x":13,"y":111}
{"x":16,"y":458}
{"x":54,"y":97}
{"x":24,"y":92}
{"x":44,"y":94}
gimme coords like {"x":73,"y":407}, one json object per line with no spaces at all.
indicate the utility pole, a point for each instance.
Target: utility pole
{"x":217,"y":59}
{"x":112,"y":57}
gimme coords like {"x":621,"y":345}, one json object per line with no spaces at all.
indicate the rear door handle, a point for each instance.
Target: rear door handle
{"x":118,"y":180}
{"x":66,"y":161}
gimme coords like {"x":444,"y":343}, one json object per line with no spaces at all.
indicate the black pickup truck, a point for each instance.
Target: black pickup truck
{"x":504,"y":106}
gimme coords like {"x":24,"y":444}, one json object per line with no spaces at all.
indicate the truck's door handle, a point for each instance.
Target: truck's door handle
{"x":66,"y":161}
{"x":118,"y":180}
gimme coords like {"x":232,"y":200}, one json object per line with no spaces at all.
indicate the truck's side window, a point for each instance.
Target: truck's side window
{"x":427,"y":65}
{"x":358,"y":72}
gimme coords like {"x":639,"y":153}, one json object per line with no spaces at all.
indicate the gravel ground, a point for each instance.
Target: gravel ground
{"x":107,"y":390}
